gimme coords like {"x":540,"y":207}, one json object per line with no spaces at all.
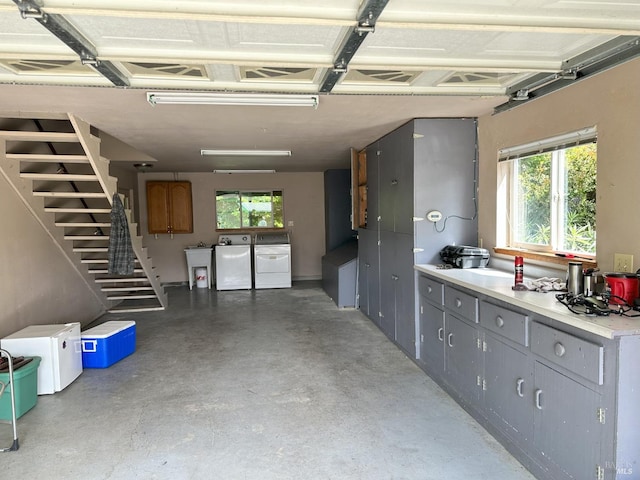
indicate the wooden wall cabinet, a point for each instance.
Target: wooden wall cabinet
{"x":169,"y":207}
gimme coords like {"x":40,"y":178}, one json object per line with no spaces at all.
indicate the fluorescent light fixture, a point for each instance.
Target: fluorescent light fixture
{"x":247,"y":153}
{"x":244,"y":171}
{"x":248,"y":99}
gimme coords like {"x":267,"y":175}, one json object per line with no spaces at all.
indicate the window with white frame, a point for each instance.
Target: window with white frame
{"x":547,"y":194}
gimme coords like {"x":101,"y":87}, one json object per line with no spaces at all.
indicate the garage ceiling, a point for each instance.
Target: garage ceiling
{"x":374,"y":63}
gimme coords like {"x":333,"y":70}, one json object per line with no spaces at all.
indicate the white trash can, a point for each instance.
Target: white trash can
{"x":201,"y":278}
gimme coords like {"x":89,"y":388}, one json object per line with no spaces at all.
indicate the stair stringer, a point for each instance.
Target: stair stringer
{"x":24,"y":190}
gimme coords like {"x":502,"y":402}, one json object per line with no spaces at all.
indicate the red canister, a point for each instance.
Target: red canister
{"x":623,"y":287}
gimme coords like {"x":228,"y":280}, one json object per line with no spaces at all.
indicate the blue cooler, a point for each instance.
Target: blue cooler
{"x":108,"y":343}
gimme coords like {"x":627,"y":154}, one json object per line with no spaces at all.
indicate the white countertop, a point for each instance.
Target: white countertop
{"x":497,"y":284}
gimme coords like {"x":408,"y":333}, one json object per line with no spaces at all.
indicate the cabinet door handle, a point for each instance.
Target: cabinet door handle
{"x":539,"y":399}
{"x":559,"y":349}
{"x":441,"y":334}
{"x":458,"y":302}
{"x":519,"y":384}
{"x":450,"y":339}
{"x":429,"y":289}
{"x":367,"y":265}
{"x":499,"y":321}
{"x":394,"y":182}
{"x":394,"y":277}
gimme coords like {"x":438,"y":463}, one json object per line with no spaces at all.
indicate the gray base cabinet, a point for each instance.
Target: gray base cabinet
{"x":567,"y":429}
{"x":508,"y":389}
{"x":449,"y":343}
{"x":462,"y":366}
{"x":559,"y":398}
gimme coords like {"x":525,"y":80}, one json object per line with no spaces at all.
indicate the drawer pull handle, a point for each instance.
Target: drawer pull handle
{"x":429,"y":289}
{"x":441,"y":334}
{"x":394,"y":277}
{"x":450,"y":339}
{"x":519,"y":384}
{"x":367,"y":265}
{"x":499,"y":321}
{"x":458,"y":302}
{"x":539,"y":399}
{"x":559,"y":349}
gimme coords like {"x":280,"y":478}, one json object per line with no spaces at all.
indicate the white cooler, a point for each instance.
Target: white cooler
{"x":59,"y":347}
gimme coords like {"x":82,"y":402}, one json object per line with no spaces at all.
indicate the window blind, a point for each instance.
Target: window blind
{"x":559,"y":142}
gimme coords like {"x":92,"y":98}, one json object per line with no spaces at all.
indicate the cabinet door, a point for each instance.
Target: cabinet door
{"x":405,"y":294}
{"x":368,"y":282}
{"x":158,"y":220}
{"x":388,"y":183}
{"x":373,"y":187}
{"x":431,"y":336}
{"x":462,"y":357}
{"x":566,"y":426}
{"x":403,"y":200}
{"x":181,"y":207}
{"x":508,"y":389}
{"x":388,"y":283}
{"x":444,"y":168}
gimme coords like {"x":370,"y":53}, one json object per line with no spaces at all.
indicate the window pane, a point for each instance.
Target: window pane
{"x":532,"y":202}
{"x":580,"y":201}
{"x":278,"y":215}
{"x":257,"y":209}
{"x":228,"y":209}
{"x":236,"y":210}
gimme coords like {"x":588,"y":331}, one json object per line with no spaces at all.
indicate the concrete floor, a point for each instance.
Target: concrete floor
{"x":268,"y":384}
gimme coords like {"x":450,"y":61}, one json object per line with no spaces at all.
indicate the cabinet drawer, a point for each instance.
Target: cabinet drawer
{"x":430,"y":289}
{"x":576,"y":354}
{"x":462,"y":303}
{"x":510,"y":324}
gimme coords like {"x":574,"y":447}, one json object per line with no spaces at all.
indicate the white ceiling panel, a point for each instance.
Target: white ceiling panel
{"x":414,"y":57}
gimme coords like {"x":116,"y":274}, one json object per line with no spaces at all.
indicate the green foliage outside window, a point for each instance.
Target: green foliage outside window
{"x":236,"y":209}
{"x":575,"y":199}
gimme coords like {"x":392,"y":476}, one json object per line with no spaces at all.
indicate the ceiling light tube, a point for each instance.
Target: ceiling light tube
{"x":248,"y":153}
{"x":244,"y":171}
{"x":248,"y":99}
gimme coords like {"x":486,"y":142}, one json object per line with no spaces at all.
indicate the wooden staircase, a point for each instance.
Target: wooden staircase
{"x":54,"y":165}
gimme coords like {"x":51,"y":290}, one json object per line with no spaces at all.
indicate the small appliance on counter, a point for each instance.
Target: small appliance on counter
{"x":463,"y":256}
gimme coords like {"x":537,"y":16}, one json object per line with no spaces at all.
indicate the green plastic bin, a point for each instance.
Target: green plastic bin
{"x":25,"y":380}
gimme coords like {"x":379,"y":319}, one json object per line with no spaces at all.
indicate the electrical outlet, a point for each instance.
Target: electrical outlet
{"x":622,"y":262}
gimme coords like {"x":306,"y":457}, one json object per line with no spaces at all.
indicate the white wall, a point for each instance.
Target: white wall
{"x":37,"y":284}
{"x":303,"y":205}
{"x":611,"y":101}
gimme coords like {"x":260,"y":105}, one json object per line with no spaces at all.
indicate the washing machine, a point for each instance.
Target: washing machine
{"x":233,"y":262}
{"x":272,"y":260}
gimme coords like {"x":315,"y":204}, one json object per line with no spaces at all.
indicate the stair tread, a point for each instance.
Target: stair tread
{"x":100,"y":260}
{"x":131,"y":297}
{"x":48,"y":158}
{"x":70,"y":194}
{"x":25,"y":136}
{"x":127,"y":289}
{"x":76,"y":210}
{"x":62,"y":177}
{"x":136,"y":309}
{"x":106,"y":271}
{"x":122,"y":280}
{"x":83,"y":224}
{"x":99,"y":238}
{"x":90,"y":249}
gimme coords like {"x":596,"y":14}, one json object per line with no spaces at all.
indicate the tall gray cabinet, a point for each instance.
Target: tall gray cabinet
{"x":424,"y":165}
